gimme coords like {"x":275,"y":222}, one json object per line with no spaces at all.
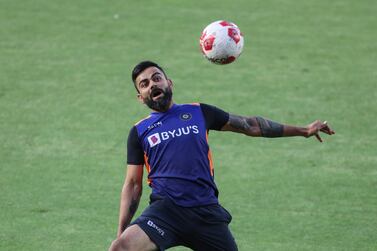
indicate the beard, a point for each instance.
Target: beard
{"x":162,"y":104}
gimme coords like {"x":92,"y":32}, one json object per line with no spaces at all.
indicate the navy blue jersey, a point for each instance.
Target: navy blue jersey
{"x":174,"y":148}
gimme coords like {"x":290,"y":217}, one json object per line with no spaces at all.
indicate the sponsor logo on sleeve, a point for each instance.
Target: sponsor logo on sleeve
{"x":154,"y":226}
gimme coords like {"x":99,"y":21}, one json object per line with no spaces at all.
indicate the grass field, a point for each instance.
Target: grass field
{"x":67,"y":104}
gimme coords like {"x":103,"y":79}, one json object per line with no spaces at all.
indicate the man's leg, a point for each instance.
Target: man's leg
{"x":215,"y":238}
{"x":211,"y":231}
{"x":133,"y":239}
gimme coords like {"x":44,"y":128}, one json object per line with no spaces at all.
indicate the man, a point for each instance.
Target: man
{"x":172,"y":143}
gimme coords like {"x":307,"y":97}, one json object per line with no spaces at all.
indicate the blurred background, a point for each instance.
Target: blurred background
{"x":67,"y":103}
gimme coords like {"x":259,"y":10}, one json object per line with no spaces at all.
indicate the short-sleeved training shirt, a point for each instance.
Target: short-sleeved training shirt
{"x":173,"y":145}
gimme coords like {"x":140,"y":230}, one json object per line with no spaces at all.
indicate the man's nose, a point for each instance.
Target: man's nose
{"x":153,"y":84}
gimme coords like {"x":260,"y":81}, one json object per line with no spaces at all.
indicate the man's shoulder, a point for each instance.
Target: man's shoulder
{"x":146,"y":124}
{"x":190,"y":108}
{"x":194,"y":105}
{"x":188,"y":105}
{"x":153,"y":118}
{"x":201,"y":105}
{"x":142,"y":120}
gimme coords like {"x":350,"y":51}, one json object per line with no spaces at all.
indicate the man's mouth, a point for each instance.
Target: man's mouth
{"x":156,"y":94}
{"x":159,"y":99}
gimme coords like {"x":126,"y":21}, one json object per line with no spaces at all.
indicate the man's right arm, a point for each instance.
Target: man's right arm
{"x":130,"y":196}
{"x":132,"y":187}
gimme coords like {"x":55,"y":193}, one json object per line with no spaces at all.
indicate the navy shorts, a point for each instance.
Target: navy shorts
{"x":203,"y":228}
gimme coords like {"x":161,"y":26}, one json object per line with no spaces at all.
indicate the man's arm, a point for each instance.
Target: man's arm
{"x":262,"y":127}
{"x":130,"y":197}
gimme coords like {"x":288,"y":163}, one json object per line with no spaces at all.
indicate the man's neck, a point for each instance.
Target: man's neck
{"x":170,"y":106}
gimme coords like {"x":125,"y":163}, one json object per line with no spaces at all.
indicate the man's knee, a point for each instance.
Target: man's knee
{"x":132,"y":239}
{"x":118,"y":245}
{"x":123,"y":243}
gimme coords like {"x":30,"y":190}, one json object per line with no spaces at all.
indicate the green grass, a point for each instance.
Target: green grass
{"x":67,"y":104}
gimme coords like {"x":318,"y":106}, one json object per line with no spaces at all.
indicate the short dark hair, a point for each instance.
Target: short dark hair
{"x":140,"y":67}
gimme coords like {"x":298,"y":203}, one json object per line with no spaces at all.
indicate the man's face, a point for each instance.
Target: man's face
{"x":155,"y":89}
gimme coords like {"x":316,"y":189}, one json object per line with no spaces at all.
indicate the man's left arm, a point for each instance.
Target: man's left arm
{"x":261,"y":127}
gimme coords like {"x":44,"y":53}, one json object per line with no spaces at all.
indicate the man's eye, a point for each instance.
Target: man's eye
{"x":156,"y":78}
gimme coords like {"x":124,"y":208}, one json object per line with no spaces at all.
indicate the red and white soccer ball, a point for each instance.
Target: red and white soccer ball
{"x":221,"y":42}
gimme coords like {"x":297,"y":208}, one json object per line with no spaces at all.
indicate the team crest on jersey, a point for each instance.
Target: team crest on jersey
{"x":154,"y":139}
{"x":185,"y":116}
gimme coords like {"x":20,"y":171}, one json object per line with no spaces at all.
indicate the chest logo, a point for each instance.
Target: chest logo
{"x":159,"y":137}
{"x":185,"y":116}
{"x":154,"y":139}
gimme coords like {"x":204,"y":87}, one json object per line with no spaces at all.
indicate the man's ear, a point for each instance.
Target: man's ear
{"x":140,"y":98}
{"x":170,"y":83}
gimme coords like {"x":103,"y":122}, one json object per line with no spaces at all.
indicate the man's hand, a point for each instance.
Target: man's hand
{"x":316,"y":127}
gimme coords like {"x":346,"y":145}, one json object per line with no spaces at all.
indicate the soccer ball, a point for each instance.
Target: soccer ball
{"x":221,"y":42}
